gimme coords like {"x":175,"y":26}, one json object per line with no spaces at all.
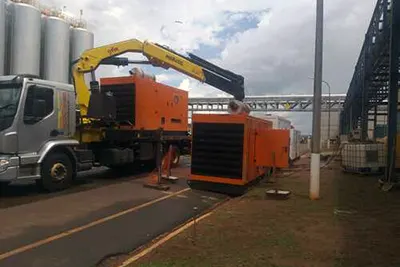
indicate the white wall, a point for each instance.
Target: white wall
{"x":334,"y":125}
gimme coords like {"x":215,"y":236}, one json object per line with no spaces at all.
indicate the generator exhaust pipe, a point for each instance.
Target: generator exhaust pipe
{"x":236,"y":107}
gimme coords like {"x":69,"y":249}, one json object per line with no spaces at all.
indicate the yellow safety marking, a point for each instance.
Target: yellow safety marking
{"x":162,"y":241}
{"x":86,"y":226}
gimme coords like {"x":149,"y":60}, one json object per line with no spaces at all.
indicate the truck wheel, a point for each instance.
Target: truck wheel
{"x":56,"y":172}
{"x":3,"y":187}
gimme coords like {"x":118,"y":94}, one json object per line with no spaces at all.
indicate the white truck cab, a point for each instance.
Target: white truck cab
{"x":37,"y":117}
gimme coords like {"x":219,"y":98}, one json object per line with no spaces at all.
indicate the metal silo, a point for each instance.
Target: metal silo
{"x":8,"y":18}
{"x":81,"y":39}
{"x":25,"y":37}
{"x":55,"y":49}
{"x":2,"y":35}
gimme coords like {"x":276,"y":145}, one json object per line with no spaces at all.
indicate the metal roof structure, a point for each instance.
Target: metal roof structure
{"x":375,"y":80}
{"x":271,"y":103}
{"x":370,"y":83}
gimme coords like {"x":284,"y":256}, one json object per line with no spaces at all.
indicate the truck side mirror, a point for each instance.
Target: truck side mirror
{"x":39,"y":108}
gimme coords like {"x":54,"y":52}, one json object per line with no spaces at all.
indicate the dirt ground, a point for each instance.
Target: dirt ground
{"x":353,"y":224}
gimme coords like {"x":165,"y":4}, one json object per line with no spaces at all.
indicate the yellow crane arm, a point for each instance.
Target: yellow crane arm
{"x":159,"y":56}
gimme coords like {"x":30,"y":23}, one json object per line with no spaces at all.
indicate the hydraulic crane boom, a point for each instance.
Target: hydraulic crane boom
{"x":159,"y":56}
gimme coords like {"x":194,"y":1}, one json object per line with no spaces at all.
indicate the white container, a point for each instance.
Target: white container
{"x":363,"y":157}
{"x":277,"y":121}
{"x":294,"y":150}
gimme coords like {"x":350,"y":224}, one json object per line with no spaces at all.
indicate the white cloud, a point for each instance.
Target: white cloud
{"x":184,"y":85}
{"x":275,"y":58}
{"x":161,"y":78}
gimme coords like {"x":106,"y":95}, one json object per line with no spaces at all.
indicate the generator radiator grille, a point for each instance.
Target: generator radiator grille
{"x":217,"y":150}
{"x":124,"y":95}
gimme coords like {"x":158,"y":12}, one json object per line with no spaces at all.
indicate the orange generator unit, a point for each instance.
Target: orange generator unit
{"x":145,"y":114}
{"x":146,"y":105}
{"x":230,"y":152}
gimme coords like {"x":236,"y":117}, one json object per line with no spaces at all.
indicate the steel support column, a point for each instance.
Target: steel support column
{"x":393,"y":90}
{"x":375,"y":119}
{"x":366,"y":69}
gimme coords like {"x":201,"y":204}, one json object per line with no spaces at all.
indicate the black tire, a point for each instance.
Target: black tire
{"x":3,"y":187}
{"x":56,"y":172}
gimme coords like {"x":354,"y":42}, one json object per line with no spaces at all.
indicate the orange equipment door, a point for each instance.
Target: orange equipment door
{"x":272,"y":148}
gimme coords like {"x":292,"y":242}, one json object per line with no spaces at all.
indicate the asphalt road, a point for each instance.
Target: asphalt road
{"x":72,"y":239}
{"x":24,"y":192}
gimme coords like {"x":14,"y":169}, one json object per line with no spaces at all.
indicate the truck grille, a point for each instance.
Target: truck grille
{"x":217,"y":150}
{"x":124,"y":95}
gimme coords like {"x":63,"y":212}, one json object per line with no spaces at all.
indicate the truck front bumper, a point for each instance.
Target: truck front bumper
{"x":8,"y":168}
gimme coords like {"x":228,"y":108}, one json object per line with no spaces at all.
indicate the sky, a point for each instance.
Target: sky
{"x":269,"y":42}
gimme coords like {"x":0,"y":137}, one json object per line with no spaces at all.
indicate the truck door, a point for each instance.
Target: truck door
{"x":38,"y":120}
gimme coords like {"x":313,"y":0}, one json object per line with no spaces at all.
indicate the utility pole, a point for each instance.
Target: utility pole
{"x":316,"y":134}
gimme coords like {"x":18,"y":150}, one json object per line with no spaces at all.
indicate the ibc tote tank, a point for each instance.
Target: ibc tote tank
{"x":55,"y":49}
{"x":25,"y":39}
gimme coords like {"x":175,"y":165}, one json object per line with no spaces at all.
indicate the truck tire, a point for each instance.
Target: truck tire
{"x":3,"y":187}
{"x":56,"y":172}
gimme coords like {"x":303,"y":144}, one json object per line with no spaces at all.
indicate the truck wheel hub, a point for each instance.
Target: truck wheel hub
{"x":58,"y":171}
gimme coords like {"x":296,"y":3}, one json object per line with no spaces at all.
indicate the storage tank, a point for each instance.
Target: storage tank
{"x":56,"y":44}
{"x":25,"y":37}
{"x":81,"y":39}
{"x":7,"y":55}
{"x":2,"y":35}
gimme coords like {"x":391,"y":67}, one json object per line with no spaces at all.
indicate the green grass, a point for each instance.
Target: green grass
{"x":254,"y":231}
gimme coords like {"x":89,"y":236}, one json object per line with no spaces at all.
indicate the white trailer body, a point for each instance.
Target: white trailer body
{"x":277,"y":121}
{"x":294,"y":150}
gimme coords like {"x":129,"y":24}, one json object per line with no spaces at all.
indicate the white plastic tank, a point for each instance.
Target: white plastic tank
{"x":25,"y":37}
{"x":81,"y":40}
{"x":2,"y":35}
{"x":56,"y":42}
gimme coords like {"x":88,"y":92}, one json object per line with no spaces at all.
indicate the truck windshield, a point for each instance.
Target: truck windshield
{"x":9,"y":98}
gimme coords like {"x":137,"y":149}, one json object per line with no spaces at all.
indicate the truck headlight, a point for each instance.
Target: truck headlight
{"x":4,"y":164}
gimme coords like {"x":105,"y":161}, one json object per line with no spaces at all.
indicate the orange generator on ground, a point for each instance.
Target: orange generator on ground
{"x":230,"y":152}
